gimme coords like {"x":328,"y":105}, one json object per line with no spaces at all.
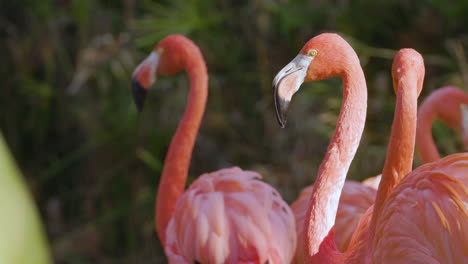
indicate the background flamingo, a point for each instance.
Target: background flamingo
{"x":227,"y":216}
{"x":444,"y":104}
{"x":444,"y":218}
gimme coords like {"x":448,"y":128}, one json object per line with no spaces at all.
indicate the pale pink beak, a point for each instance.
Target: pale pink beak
{"x":287,"y":82}
{"x":143,"y":77}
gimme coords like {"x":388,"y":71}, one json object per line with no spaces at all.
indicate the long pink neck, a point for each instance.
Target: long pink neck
{"x":178,"y":157}
{"x":400,"y":152}
{"x":426,"y":146}
{"x":323,"y":205}
{"x":443,"y":104}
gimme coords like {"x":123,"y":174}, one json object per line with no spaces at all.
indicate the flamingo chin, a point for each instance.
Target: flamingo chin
{"x":230,"y":216}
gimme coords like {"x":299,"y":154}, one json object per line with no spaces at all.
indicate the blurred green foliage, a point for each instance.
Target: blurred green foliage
{"x":93,"y":162}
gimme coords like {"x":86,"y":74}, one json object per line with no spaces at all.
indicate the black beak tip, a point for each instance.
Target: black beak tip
{"x":281,"y":106}
{"x":281,"y":119}
{"x":139,"y":94}
{"x":282,"y":125}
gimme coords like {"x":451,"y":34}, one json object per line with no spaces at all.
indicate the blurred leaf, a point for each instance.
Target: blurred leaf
{"x":22,"y":236}
{"x":149,"y":159}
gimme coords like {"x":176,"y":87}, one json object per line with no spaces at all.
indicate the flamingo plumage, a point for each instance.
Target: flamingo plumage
{"x":227,"y":216}
{"x":420,"y":218}
{"x":447,"y":104}
{"x":355,"y":199}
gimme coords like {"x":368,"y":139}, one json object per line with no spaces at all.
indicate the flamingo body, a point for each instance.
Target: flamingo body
{"x":425,"y":218}
{"x":229,"y":216}
{"x":355,"y":200}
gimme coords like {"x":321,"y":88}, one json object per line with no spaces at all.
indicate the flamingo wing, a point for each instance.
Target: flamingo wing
{"x":230,"y":216}
{"x":425,"y":219}
{"x":355,"y":200}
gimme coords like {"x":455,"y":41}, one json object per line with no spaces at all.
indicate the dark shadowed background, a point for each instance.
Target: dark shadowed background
{"x":93,"y":163}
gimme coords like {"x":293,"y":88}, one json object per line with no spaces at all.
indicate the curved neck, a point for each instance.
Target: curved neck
{"x":177,"y":163}
{"x":323,"y":205}
{"x":424,"y":141}
{"x":400,"y":152}
{"x":445,"y":104}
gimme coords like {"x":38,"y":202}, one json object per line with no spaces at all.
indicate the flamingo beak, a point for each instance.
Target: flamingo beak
{"x":287,"y":82}
{"x":143,"y":77}
{"x":464,"y":114}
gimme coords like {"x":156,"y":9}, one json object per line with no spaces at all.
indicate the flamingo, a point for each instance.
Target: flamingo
{"x":449,"y":105}
{"x":420,"y":218}
{"x":355,"y":199}
{"x":226,"y":216}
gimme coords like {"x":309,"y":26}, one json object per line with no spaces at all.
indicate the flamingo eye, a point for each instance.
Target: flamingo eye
{"x":267,"y":262}
{"x":312,"y":53}
{"x":160,"y":51}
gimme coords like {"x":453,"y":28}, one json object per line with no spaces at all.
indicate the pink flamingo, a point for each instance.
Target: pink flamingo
{"x":227,"y":216}
{"x":421,"y":218}
{"x":355,"y":198}
{"x":446,"y":104}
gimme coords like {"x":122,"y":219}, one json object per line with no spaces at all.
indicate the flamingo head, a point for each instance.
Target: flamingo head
{"x":167,"y":57}
{"x":408,"y":63}
{"x":324,"y":56}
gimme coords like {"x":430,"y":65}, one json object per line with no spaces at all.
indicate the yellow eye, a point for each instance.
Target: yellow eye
{"x":312,"y":53}
{"x":160,"y":51}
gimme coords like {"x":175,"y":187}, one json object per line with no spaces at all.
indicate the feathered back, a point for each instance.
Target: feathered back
{"x":230,"y":216}
{"x":355,"y":200}
{"x":430,"y":206}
